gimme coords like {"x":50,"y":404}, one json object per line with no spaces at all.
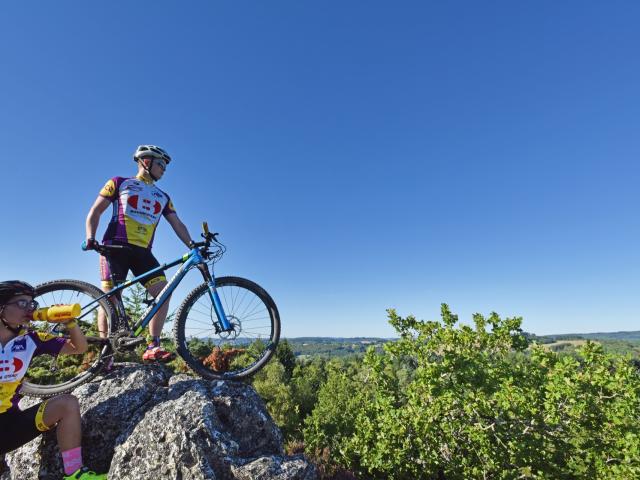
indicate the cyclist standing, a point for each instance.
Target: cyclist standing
{"x":18,"y":346}
{"x":138,"y":205}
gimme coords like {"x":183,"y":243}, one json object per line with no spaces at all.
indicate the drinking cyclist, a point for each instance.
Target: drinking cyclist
{"x":138,"y":204}
{"x":18,"y":345}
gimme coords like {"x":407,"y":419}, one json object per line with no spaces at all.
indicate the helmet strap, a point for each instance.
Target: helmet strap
{"x":147,"y":168}
{"x":14,"y":330}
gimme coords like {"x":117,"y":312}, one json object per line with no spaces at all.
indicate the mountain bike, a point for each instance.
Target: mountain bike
{"x":226,"y":328}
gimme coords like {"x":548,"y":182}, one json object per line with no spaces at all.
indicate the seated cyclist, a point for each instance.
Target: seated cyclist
{"x":19,"y":345}
{"x":138,"y":204}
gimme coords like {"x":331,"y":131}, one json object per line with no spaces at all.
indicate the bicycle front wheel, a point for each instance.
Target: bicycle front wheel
{"x":52,"y":375}
{"x":229,"y":355}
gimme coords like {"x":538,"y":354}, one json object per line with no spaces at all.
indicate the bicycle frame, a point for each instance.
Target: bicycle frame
{"x":188,"y":261}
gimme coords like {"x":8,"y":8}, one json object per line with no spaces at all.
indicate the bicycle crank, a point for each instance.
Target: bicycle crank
{"x":122,"y":342}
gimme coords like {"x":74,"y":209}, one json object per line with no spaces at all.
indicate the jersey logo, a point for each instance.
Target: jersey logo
{"x":19,"y":345}
{"x":44,"y":336}
{"x":5,"y":365}
{"x":109,"y":189}
{"x":145,"y":204}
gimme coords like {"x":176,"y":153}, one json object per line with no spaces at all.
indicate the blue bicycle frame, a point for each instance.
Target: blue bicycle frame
{"x":188,"y":261}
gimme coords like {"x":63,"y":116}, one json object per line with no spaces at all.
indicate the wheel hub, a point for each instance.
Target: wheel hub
{"x":236,"y":329}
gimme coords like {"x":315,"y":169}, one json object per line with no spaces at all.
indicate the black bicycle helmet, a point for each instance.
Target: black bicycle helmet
{"x":13,"y":288}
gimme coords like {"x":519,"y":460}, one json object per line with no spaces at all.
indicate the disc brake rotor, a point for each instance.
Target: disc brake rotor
{"x":232,"y":334}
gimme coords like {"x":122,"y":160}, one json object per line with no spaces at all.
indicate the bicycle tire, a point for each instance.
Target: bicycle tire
{"x":74,"y":288}
{"x":249,"y":345}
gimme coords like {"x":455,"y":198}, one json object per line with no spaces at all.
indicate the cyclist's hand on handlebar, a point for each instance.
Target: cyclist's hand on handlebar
{"x":89,"y":244}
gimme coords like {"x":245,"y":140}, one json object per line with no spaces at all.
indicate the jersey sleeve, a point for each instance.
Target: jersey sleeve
{"x":110,"y":189}
{"x":168,"y":208}
{"x":47,"y":344}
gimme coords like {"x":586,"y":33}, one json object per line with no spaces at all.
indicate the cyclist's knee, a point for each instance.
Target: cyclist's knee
{"x":69,"y":403}
{"x":60,"y":407}
{"x":155,"y":286}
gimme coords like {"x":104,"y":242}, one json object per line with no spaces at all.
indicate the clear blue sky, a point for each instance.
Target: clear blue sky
{"x":355,"y":155}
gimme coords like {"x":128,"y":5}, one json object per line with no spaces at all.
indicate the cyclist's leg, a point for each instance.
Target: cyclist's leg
{"x":142,"y":262}
{"x":154,"y":287}
{"x":21,"y":426}
{"x":114,"y":267}
{"x":64,"y":411}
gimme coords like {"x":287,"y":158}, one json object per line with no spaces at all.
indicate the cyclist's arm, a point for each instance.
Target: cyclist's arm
{"x":179,"y":228}
{"x":77,"y":342}
{"x":93,"y":218}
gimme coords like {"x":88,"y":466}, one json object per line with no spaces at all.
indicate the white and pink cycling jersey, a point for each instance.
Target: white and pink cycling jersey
{"x":137,"y":208}
{"x":15,"y":358}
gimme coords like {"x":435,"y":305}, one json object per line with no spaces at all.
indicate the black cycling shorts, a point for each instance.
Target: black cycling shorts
{"x":137,"y":259}
{"x":21,"y":426}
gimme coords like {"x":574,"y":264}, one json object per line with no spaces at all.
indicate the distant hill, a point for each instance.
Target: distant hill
{"x":632,"y":337}
{"x":333,"y":346}
{"x":328,"y":347}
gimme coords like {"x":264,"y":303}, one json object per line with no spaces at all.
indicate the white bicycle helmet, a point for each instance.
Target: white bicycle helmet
{"x":152,"y":151}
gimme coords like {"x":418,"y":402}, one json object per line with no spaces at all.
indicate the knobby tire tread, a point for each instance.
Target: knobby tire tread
{"x":183,"y":311}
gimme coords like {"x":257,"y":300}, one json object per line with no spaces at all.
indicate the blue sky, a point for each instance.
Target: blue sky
{"x":355,"y":156}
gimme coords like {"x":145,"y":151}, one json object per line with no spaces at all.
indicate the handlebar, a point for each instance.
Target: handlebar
{"x":103,"y":249}
{"x":106,"y":249}
{"x":208,"y":237}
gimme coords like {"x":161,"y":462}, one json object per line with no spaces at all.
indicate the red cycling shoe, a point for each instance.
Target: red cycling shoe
{"x":156,"y":354}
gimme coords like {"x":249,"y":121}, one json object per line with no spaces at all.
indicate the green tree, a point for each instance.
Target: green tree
{"x":271,"y":384}
{"x":474,"y":402}
{"x":286,"y":357}
{"x":307,"y":379}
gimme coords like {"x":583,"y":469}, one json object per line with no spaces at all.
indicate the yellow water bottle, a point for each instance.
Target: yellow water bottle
{"x":57,"y":313}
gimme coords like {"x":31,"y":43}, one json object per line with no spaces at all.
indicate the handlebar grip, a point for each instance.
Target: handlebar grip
{"x":205,"y":228}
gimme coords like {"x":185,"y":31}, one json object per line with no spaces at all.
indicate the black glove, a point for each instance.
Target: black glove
{"x":89,"y":244}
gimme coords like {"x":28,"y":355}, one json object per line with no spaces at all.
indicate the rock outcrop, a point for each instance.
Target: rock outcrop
{"x":141,"y":422}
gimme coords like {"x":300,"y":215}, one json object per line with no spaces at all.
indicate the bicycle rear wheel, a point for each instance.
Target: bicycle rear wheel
{"x":51,"y":375}
{"x":227,"y":355}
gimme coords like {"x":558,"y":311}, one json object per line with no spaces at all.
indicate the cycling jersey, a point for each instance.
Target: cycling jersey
{"x":137,"y":206}
{"x":15,"y":358}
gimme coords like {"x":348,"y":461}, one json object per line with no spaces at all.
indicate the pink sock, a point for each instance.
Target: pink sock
{"x":72,"y":460}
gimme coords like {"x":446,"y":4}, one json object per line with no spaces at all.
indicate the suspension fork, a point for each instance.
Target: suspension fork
{"x":215,"y":298}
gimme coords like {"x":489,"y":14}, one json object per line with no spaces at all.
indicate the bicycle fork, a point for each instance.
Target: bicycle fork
{"x":223,"y":323}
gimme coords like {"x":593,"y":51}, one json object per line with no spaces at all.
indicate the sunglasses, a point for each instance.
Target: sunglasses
{"x":25,"y":304}
{"x":161,"y":163}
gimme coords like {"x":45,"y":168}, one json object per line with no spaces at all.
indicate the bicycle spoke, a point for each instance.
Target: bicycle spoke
{"x":241,"y":349}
